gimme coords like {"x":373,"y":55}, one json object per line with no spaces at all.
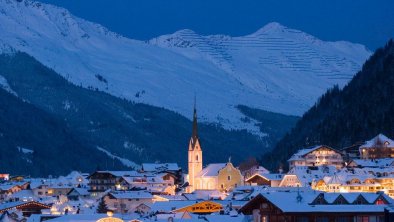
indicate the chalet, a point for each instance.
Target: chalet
{"x":378,"y":147}
{"x":317,"y":156}
{"x":311,"y":206}
{"x":57,"y":190}
{"x":26,"y":208}
{"x":101,"y":181}
{"x":272,"y":180}
{"x":127,"y":201}
{"x":6,"y":190}
{"x":303,"y":176}
{"x":78,"y":193}
{"x":247,"y":172}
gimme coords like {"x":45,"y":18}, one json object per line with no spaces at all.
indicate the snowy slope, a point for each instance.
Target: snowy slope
{"x":275,"y":69}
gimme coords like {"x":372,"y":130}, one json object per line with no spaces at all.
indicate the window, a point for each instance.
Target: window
{"x":196,"y":157}
{"x":380,"y":202}
{"x":228,"y":177}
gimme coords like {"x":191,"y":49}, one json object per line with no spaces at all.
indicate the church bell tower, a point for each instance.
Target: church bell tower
{"x":194,"y":154}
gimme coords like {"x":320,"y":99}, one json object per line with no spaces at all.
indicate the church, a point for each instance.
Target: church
{"x":217,"y":176}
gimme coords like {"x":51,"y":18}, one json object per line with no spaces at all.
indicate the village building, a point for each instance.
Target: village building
{"x":127,"y":201}
{"x":26,"y":208}
{"x":4,"y":176}
{"x":312,"y":206}
{"x":6,"y":190}
{"x":270,"y":179}
{"x":217,"y":176}
{"x":378,"y":147}
{"x":101,"y":181}
{"x":304,"y":176}
{"x":169,"y":169}
{"x":76,"y":194}
{"x":317,"y":156}
{"x":371,"y":163}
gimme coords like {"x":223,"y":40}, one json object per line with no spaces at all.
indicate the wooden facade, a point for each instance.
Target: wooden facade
{"x":205,"y":207}
{"x":260,"y":209}
{"x":259,"y":180}
{"x":27,"y":208}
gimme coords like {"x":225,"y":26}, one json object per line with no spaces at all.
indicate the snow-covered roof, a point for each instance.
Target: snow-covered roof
{"x":302,"y":202}
{"x":158,"y":167}
{"x":85,"y":217}
{"x":168,"y":206}
{"x":80,"y":191}
{"x":207,"y":194}
{"x":131,"y":195}
{"x":211,"y":170}
{"x":7,"y":186}
{"x":378,"y":141}
{"x":385,"y":162}
{"x":308,"y":174}
{"x":23,"y":194}
{"x":302,"y":152}
{"x":121,"y":173}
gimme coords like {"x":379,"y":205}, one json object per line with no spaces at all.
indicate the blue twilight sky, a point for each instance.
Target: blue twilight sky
{"x":370,"y":22}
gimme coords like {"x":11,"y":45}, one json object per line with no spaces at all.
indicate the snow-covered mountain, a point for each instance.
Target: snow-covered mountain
{"x":276,"y":69}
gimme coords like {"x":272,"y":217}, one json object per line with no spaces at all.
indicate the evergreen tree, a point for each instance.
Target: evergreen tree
{"x":345,"y":117}
{"x":102,"y":207}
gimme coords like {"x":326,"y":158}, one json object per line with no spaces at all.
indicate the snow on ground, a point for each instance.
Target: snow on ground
{"x":124,"y":161}
{"x":276,"y":69}
{"x":4,"y":84}
{"x":25,"y":150}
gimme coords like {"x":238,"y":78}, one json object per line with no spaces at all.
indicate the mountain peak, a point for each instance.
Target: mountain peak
{"x":272,"y":27}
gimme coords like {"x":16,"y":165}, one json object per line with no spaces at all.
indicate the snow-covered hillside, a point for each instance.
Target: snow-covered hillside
{"x":275,"y":69}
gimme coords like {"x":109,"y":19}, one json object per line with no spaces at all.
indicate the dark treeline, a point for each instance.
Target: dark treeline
{"x":63,"y":124}
{"x":343,"y":117}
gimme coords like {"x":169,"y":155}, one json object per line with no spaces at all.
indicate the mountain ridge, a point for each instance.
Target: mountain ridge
{"x":146,"y":73}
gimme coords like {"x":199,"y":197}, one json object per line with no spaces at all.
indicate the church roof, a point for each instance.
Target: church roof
{"x":211,"y":170}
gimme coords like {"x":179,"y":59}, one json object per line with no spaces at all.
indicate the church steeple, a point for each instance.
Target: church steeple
{"x":194,"y":131}
{"x":194,"y":154}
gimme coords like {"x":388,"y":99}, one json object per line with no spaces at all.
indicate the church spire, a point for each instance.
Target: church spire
{"x":194,"y":132}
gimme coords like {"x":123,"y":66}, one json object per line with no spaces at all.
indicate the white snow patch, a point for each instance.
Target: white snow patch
{"x":25,"y":150}
{"x":125,"y":162}
{"x":4,"y":84}
{"x":131,"y":146}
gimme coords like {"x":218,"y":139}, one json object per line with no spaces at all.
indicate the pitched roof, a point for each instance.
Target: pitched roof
{"x":298,"y":202}
{"x":378,"y":141}
{"x":211,"y":170}
{"x":302,"y":152}
{"x":131,"y":195}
